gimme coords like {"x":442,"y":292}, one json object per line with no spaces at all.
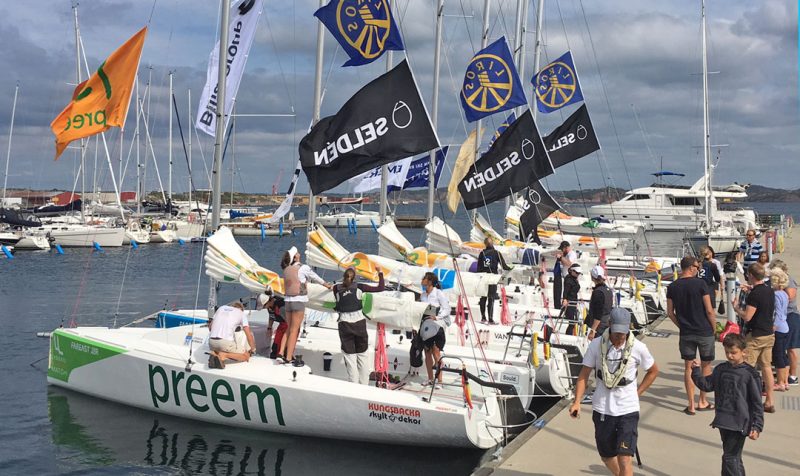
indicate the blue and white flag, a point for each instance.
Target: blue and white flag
{"x":371,"y":179}
{"x":491,"y":83}
{"x":556,"y":85}
{"x":509,"y":120}
{"x":364,"y":28}
{"x":419,"y":171}
{"x":286,"y":205}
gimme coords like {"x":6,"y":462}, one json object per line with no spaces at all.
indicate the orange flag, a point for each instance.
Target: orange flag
{"x":102,"y":100}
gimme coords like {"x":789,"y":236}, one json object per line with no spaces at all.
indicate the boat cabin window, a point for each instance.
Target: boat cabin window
{"x":638,"y":196}
{"x":685,"y":201}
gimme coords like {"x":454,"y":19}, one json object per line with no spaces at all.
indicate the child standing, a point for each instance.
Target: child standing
{"x":739,"y":411}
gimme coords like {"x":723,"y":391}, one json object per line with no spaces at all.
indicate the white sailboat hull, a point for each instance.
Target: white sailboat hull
{"x":86,"y":236}
{"x":364,"y":219}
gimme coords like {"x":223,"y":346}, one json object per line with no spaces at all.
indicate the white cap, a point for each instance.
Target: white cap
{"x":598,"y":272}
{"x":292,"y":253}
{"x":576,"y":267}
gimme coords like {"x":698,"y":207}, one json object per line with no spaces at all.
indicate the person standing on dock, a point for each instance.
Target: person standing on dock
{"x":758,"y":317}
{"x":689,"y":308}
{"x":600,"y":303}
{"x":489,"y":261}
{"x":569,"y":302}
{"x":616,"y":359}
{"x":750,"y":249}
{"x":793,"y":319}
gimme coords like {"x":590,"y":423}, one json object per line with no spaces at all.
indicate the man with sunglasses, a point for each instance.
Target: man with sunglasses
{"x":750,"y":249}
{"x":689,"y":308}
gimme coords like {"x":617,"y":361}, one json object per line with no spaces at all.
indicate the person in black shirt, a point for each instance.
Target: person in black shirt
{"x":489,"y":261}
{"x":757,"y":315}
{"x":571,"y":288}
{"x":710,"y":274}
{"x":599,"y":304}
{"x":689,"y":308}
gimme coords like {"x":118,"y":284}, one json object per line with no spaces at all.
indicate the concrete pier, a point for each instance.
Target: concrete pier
{"x":670,"y":442}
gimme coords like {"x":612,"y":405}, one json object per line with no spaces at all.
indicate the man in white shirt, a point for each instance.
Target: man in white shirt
{"x":230,"y":336}
{"x":615,"y":359}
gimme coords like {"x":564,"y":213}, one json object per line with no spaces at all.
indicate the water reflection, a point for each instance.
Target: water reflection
{"x":97,"y":433}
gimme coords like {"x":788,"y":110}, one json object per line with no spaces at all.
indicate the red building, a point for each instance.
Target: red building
{"x":64,"y":198}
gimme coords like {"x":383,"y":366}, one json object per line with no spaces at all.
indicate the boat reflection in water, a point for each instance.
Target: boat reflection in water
{"x":108,"y":436}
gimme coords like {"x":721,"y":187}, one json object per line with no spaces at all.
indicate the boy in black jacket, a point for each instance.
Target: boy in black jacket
{"x":739,"y":411}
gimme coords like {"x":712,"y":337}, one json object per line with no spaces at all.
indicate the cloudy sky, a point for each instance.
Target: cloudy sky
{"x":638,"y":62}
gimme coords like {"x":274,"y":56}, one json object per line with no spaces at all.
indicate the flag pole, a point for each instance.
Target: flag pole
{"x":312,"y":205}
{"x":435,"y":109}
{"x":219,"y":133}
{"x":484,"y":43}
{"x":383,"y":205}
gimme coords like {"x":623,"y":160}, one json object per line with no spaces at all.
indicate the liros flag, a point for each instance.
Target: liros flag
{"x":502,"y":127}
{"x":241,"y":32}
{"x":419,"y":171}
{"x":573,"y":139}
{"x":537,"y":204}
{"x":465,"y":158}
{"x":556,"y":85}
{"x":371,"y":179}
{"x":101,"y":101}
{"x":515,"y":160}
{"x":364,"y":28}
{"x":383,"y":122}
{"x":491,"y":83}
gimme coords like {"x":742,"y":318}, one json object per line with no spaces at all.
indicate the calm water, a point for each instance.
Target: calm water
{"x":46,"y":430}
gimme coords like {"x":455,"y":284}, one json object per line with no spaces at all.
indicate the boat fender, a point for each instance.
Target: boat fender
{"x":7,"y":252}
{"x":97,"y":246}
{"x":280,"y":230}
{"x":181,"y":241}
{"x":59,"y":249}
{"x":374,"y":226}
{"x":546,"y":351}
{"x":134,"y":244}
{"x":534,"y":355}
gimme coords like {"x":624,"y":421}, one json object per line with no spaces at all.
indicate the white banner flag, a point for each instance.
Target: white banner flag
{"x":286,"y":204}
{"x":371,"y":179}
{"x":241,"y":31}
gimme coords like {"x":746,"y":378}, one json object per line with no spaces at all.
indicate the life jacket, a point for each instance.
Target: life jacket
{"x":615,"y":379}
{"x":291,"y":280}
{"x":347,"y":299}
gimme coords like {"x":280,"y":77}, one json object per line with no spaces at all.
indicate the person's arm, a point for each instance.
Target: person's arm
{"x":649,"y":378}
{"x":792,"y":293}
{"x":755,"y":405}
{"x":747,"y":313}
{"x":715,"y":273}
{"x":503,"y":262}
{"x":705,"y":384}
{"x":310,"y":275}
{"x":369,"y":288}
{"x":595,"y":311}
{"x":671,"y":313}
{"x":250,"y":339}
{"x":711,"y":314}
{"x":580,"y":390}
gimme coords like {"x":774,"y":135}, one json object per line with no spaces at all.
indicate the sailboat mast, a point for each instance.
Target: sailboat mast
{"x":435,"y":109}
{"x":383,"y":205}
{"x":8,"y":153}
{"x":484,"y":43}
{"x":169,"y":183}
{"x":189,"y":155}
{"x":219,"y":132}
{"x":519,"y":57}
{"x":537,"y":50}
{"x":706,"y":126}
{"x":78,"y":81}
{"x":312,"y":206}
{"x":138,"y":159}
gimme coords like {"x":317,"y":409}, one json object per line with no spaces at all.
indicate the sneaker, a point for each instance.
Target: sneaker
{"x":215,"y":362}
{"x":793,"y":381}
{"x":483,"y":320}
{"x":298,"y":363}
{"x":491,"y":322}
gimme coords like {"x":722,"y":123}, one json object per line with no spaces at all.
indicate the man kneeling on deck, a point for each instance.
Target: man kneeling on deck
{"x":616,"y":359}
{"x":230,"y":336}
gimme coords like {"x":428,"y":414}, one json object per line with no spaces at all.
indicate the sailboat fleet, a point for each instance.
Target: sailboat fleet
{"x":493,"y":374}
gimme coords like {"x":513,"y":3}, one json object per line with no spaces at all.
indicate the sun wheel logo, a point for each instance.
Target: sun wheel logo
{"x":365,"y":24}
{"x":556,"y":86}
{"x":488,"y":83}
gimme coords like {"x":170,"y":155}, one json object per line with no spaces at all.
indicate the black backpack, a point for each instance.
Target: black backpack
{"x":415,"y":353}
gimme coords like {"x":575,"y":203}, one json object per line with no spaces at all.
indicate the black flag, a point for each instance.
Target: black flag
{"x":515,"y":160}
{"x":537,"y":204}
{"x":383,"y":122}
{"x":573,"y":139}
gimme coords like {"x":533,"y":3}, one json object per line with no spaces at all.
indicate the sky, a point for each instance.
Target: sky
{"x":639,"y":65}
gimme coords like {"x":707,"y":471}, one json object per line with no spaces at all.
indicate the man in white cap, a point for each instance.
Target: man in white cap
{"x":615,"y":358}
{"x":572,"y":287}
{"x":600,"y":303}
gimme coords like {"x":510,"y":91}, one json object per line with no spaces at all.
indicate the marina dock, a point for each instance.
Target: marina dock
{"x":670,"y":442}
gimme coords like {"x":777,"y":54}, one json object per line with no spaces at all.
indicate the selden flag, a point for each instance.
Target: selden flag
{"x":537,"y":204}
{"x":383,"y":122}
{"x":491,"y":83}
{"x":419,"y":172}
{"x":364,"y":28}
{"x":556,"y":85}
{"x":102,"y":100}
{"x":515,"y":160}
{"x":573,"y":139}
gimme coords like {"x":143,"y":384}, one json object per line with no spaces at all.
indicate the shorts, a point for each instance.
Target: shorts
{"x":616,"y":435}
{"x":689,"y":345}
{"x":759,"y":350}
{"x":793,"y":319}
{"x":295,"y":306}
{"x":779,"y":357}
{"x":353,"y":336}
{"x":437,"y":340}
{"x":237,"y":346}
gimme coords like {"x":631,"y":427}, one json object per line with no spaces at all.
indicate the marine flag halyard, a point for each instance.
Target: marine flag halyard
{"x":556,"y":85}
{"x":241,"y":32}
{"x":537,"y":204}
{"x":102,"y":100}
{"x":491,"y":83}
{"x":364,"y":28}
{"x":573,"y":139}
{"x":383,"y":122}
{"x":515,"y":160}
